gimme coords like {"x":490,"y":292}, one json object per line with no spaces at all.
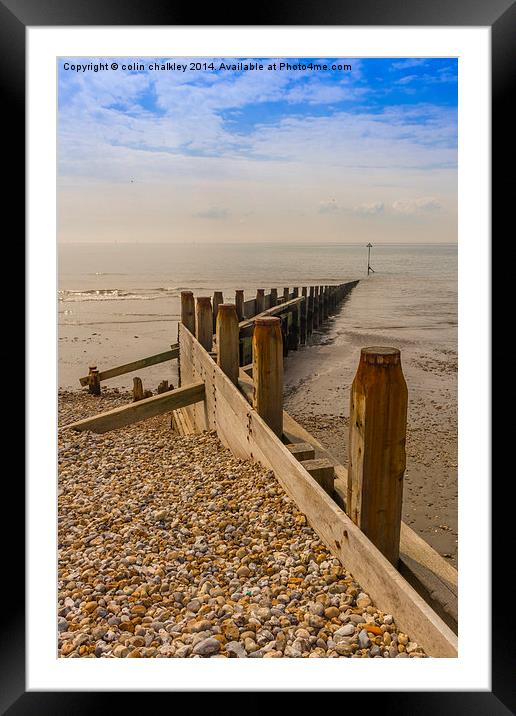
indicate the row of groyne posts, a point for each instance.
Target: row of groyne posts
{"x":231,"y":359}
{"x":300,"y":311}
{"x":378,"y":410}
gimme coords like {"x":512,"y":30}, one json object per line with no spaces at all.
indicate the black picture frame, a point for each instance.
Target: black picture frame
{"x":500,"y":16}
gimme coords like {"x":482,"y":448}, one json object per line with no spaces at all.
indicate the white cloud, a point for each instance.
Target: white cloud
{"x":410,"y":62}
{"x":421,"y":205}
{"x":370,"y":209}
{"x":328,"y":206}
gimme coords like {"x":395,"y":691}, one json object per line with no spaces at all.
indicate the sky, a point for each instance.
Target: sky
{"x":225,"y":154}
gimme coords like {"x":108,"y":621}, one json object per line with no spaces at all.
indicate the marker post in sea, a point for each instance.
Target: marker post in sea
{"x":369,"y":269}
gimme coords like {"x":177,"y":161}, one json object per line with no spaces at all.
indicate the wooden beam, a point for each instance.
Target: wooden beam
{"x":246,"y":327}
{"x":143,"y":409}
{"x":321,"y":469}
{"x":240,"y":428}
{"x":136,"y":365}
{"x":301,"y":451}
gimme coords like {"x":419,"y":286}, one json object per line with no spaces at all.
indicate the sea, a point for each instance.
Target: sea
{"x":119,"y":302}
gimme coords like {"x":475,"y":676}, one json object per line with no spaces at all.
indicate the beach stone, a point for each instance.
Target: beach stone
{"x":364,"y":640}
{"x":343,"y":649}
{"x":346,"y":630}
{"x":207,"y":647}
{"x":236,"y":649}
{"x":331,"y":612}
{"x":194,"y":605}
{"x":363,"y":600}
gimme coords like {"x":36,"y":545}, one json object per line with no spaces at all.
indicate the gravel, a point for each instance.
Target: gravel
{"x":170,"y":546}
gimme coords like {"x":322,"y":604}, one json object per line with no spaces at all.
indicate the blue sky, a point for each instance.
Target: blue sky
{"x":207,"y":155}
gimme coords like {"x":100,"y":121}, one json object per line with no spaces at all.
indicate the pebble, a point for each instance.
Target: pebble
{"x":171,"y":547}
{"x":207,"y":647}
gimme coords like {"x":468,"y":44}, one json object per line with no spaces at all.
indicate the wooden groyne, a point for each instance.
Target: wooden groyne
{"x":231,"y":371}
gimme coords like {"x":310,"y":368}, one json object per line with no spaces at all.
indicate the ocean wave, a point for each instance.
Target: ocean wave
{"x":116,"y":294}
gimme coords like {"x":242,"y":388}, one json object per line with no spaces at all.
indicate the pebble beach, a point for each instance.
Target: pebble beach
{"x":169,"y":546}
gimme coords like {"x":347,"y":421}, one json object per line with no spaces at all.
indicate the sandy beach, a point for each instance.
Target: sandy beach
{"x":171,"y":547}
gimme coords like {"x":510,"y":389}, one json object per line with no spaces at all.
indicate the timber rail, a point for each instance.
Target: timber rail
{"x":231,"y":381}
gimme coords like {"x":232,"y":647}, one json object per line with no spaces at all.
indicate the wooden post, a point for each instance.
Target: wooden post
{"x":326,"y":302}
{"x":260,"y":301}
{"x":303,"y":310}
{"x":218,"y":298}
{"x":93,"y":381}
{"x":274,"y":297}
{"x":239,"y":303}
{"x":310,"y":313}
{"x":316,"y":307}
{"x":286,"y":294}
{"x":188,"y":311}
{"x":227,"y":341}
{"x":163,"y":387}
{"x":378,"y":423}
{"x":321,"y":305}
{"x":268,"y":372}
{"x":137,"y":389}
{"x":204,"y":322}
{"x":294,"y":328}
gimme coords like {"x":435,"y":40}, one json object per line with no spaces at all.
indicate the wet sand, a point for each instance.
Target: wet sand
{"x":317,"y":385}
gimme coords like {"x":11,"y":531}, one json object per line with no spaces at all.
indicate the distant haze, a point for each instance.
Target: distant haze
{"x":232,"y":156}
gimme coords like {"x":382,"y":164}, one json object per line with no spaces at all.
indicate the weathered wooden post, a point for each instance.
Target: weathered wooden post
{"x":274,"y":297}
{"x":303,"y":310}
{"x":268,"y":372}
{"x":316,"y":307}
{"x":137,"y":389}
{"x":310,"y":313}
{"x":321,"y":305}
{"x":227,"y":340}
{"x":218,"y":298}
{"x":188,"y":311}
{"x":239,"y":303}
{"x":326,"y":302}
{"x":260,"y":300}
{"x":378,"y":423}
{"x":286,"y":294}
{"x":284,"y":333}
{"x":93,"y":380}
{"x":204,"y":322}
{"x":294,"y":327}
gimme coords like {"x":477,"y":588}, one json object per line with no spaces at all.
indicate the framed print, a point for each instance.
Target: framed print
{"x":240,"y":472}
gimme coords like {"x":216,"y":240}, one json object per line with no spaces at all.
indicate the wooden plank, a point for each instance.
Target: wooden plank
{"x":321,"y":470}
{"x":136,"y":365}
{"x":246,"y":327}
{"x":301,"y":451}
{"x":240,"y":426}
{"x":143,"y":409}
{"x":250,"y":307}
